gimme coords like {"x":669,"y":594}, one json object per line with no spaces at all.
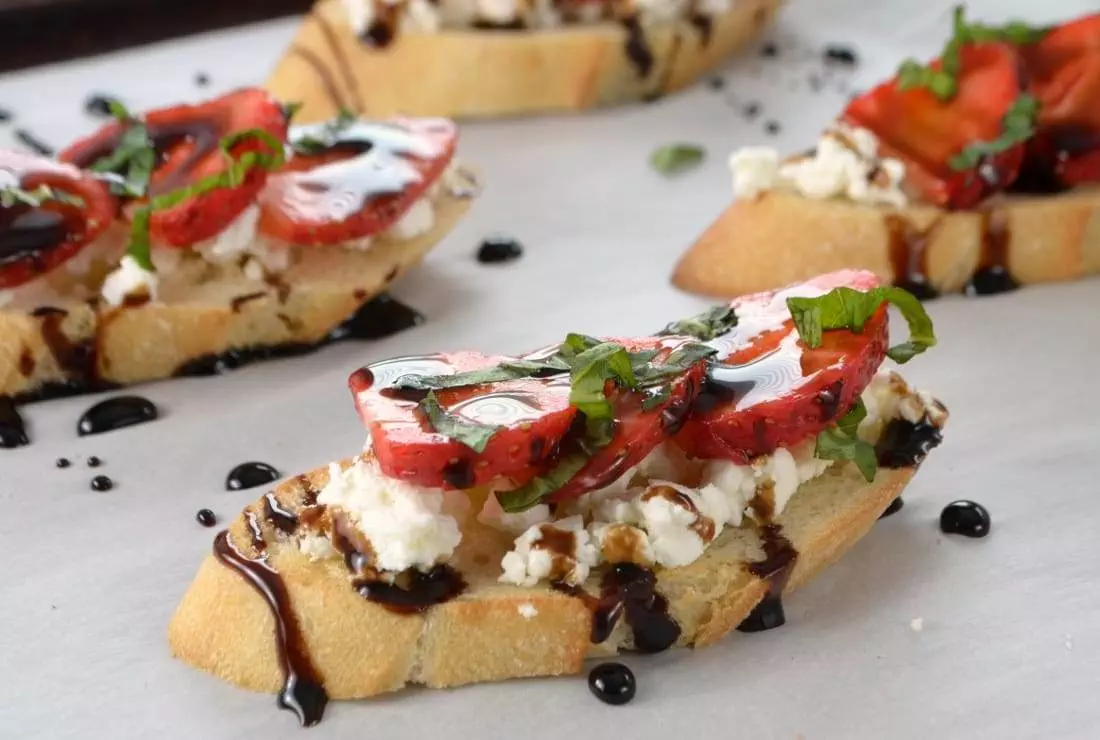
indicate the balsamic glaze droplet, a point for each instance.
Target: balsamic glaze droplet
{"x":990,"y":281}
{"x":716,"y":83}
{"x":893,"y":508}
{"x":94,"y":462}
{"x":772,"y":128}
{"x":63,"y":462}
{"x":968,"y":518}
{"x":99,"y":105}
{"x":378,"y":318}
{"x":770,"y":50}
{"x":766,"y":615}
{"x":5,"y":115}
{"x":495,"y":249}
{"x":612,"y":683}
{"x":250,"y":475}
{"x":202,"y":79}
{"x":751,"y":111}
{"x":116,"y":413}
{"x":206,"y":518}
{"x":13,"y":431}
{"x":841,"y":54}
{"x":102,"y":483}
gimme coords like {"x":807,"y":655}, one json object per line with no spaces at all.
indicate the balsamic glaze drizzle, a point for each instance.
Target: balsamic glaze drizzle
{"x":775,"y":569}
{"x":967,"y":518}
{"x":629,"y":591}
{"x":13,"y":430}
{"x":908,"y":250}
{"x":302,"y":691}
{"x":904,"y":444}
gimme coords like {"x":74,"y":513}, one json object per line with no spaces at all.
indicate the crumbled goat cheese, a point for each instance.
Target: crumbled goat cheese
{"x":889,"y":397}
{"x":417,"y":221}
{"x":129,"y":280}
{"x":535,"y":556}
{"x":406,"y":524}
{"x":527,"y":610}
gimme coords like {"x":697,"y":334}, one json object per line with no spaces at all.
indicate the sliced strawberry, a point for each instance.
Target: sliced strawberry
{"x":924,"y":132}
{"x":36,"y":239}
{"x":637,"y":430}
{"x":768,"y":389}
{"x":1063,"y":72}
{"x":186,"y":139}
{"x":360,"y":185}
{"x":534,"y":414}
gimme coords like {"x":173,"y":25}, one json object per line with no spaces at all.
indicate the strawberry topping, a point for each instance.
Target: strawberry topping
{"x":353,"y":179}
{"x":59,"y":211}
{"x":187,"y":143}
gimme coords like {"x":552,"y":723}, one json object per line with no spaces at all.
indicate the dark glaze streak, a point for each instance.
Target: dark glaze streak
{"x":302,"y":691}
{"x":904,"y":444}
{"x":894,"y":507}
{"x":419,"y":592}
{"x":237,"y":303}
{"x":378,"y":318}
{"x":704,"y":24}
{"x":992,"y":275}
{"x":13,"y":431}
{"x":342,"y":64}
{"x":32,"y":142}
{"x":328,"y":84}
{"x":629,"y":590}
{"x":829,"y":400}
{"x":284,"y":520}
{"x":459,"y":473}
{"x":908,"y":254}
{"x":779,"y":561}
{"x":256,"y":532}
{"x":637,"y":47}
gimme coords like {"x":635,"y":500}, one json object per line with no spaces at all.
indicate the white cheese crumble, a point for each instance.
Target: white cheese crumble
{"x":535,"y":556}
{"x":406,"y":524}
{"x":129,"y":280}
{"x":500,"y":12}
{"x":235,"y":239}
{"x":845,"y":164}
{"x":527,"y":610}
{"x":316,"y":547}
{"x":417,"y":221}
{"x":889,"y":397}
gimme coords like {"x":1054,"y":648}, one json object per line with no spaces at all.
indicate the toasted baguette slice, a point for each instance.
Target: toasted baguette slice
{"x":780,"y":238}
{"x":467,"y":74}
{"x":493,"y":631}
{"x":86,"y":346}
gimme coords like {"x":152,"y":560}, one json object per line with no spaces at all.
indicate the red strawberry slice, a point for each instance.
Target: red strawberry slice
{"x":361,"y":185}
{"x":924,"y":132}
{"x":638,"y":430}
{"x":187,"y":138}
{"x":534,"y":415}
{"x":768,"y":389}
{"x":36,"y":239}
{"x":1063,"y":72}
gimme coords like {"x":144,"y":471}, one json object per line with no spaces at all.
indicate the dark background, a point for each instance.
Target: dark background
{"x":40,"y":31}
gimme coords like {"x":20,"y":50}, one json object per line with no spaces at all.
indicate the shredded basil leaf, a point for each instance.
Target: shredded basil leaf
{"x":291,"y":108}
{"x":470,"y":433}
{"x":944,"y":82}
{"x":327,"y":138}
{"x":592,"y":369}
{"x":848,"y":308}
{"x":541,"y":487}
{"x":140,"y":247}
{"x":672,"y":159}
{"x":841,"y":442}
{"x":133,"y":159}
{"x":712,"y":323}
{"x":656,"y":397}
{"x":1017,"y":126}
{"x":679,"y":361}
{"x":12,"y":195}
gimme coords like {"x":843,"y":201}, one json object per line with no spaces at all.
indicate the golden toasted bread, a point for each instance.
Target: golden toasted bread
{"x":471,"y":73}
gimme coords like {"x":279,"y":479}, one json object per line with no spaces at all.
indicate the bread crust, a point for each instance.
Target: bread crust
{"x":128,"y":344}
{"x":360,"y":649}
{"x":472,"y":74}
{"x":782,"y":238}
